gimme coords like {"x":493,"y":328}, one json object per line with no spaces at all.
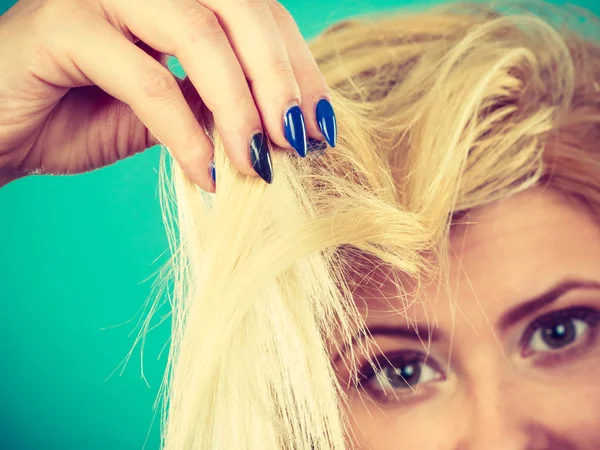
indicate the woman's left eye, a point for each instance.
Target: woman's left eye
{"x":560,"y":330}
{"x":399,"y":375}
{"x":557,"y":335}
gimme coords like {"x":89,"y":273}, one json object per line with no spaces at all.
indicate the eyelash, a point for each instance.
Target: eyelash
{"x":590,"y":316}
{"x":405,"y":358}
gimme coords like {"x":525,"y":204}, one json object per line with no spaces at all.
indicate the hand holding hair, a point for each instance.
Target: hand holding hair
{"x":82,"y":85}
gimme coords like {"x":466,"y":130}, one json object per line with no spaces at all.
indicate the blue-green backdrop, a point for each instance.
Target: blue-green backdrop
{"x":78,"y":256}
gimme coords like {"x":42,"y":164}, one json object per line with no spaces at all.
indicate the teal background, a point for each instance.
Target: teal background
{"x":78,"y":256}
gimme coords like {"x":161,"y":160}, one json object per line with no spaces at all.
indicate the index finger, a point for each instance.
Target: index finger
{"x":150,"y":90}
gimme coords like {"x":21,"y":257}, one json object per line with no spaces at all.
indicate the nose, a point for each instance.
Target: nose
{"x":505,"y":415}
{"x":492,"y":429}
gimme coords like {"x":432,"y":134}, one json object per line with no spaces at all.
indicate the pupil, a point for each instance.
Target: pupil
{"x":559,"y":334}
{"x":406,"y":375}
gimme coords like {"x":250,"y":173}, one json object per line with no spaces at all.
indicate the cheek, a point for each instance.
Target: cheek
{"x":569,"y":410}
{"x":580,"y":426}
{"x":582,"y":412}
{"x":375,"y":427}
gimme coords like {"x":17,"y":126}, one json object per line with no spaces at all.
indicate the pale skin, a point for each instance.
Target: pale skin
{"x":81,"y":86}
{"x":502,"y":383}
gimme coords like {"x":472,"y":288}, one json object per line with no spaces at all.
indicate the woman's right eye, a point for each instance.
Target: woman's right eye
{"x":399,"y":374}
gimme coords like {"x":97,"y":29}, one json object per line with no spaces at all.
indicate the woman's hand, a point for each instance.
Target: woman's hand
{"x":78,"y":91}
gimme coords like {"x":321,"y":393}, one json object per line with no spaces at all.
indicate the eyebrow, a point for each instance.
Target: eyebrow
{"x":530,"y":306}
{"x":420,"y":333}
{"x":413,"y":332}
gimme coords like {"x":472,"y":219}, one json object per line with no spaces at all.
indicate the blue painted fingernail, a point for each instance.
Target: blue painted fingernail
{"x":260,"y":157}
{"x":295,"y":131}
{"x":326,"y":121}
{"x":213,"y":171}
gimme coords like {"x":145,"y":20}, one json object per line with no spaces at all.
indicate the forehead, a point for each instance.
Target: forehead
{"x":504,"y":253}
{"x":533,"y":236}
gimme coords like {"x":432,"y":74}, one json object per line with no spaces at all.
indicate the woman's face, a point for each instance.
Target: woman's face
{"x":514,"y":351}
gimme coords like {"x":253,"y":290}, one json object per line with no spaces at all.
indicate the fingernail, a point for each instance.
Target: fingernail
{"x":212,"y":171}
{"x":316,"y":146}
{"x":326,"y":121}
{"x":260,"y":156}
{"x":295,"y":131}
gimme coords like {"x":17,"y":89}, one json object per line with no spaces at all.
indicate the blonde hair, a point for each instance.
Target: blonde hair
{"x":438,"y":112}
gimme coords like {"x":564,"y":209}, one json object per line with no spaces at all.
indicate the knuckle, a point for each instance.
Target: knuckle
{"x":53,"y":19}
{"x":282,"y":69}
{"x":235,"y":100}
{"x":311,"y":75}
{"x":49,"y":13}
{"x":253,"y":4}
{"x":194,"y":152}
{"x":280,"y":13}
{"x":157,"y":83}
{"x":242,"y":115}
{"x":279,"y":80}
{"x":201,"y":24}
{"x":189,"y":160}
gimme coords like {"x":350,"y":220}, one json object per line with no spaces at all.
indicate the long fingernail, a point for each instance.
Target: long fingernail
{"x":326,"y":121}
{"x":212,"y":170}
{"x":260,"y":156}
{"x":316,"y":146}
{"x":295,"y":130}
